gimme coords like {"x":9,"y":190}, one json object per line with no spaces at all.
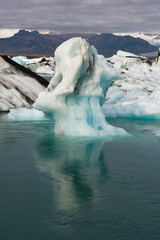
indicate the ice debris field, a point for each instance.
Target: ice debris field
{"x":137,"y":92}
{"x":86,"y":88}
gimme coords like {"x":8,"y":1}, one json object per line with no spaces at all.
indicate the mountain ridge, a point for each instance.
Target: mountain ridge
{"x":107,"y":44}
{"x":152,"y":38}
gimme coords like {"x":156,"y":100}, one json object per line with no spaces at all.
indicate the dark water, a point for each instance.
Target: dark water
{"x":63,"y":188}
{"x":47,"y":77}
{"x":150,"y":54}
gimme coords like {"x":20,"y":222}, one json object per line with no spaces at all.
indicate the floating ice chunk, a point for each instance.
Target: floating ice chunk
{"x":24,"y":61}
{"x":24,"y":114}
{"x":20,"y":60}
{"x":44,"y":70}
{"x":77,"y":91}
{"x":42,"y":65}
{"x":134,"y":109}
{"x":125,"y":54}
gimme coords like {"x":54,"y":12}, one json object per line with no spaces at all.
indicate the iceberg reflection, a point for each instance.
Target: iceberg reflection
{"x":77,"y":166}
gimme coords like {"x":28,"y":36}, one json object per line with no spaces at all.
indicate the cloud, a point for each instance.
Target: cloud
{"x":82,"y":15}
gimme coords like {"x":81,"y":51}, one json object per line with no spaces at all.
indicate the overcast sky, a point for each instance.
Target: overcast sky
{"x":81,"y":15}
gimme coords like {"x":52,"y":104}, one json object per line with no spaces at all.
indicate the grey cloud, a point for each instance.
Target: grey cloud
{"x":82,"y":15}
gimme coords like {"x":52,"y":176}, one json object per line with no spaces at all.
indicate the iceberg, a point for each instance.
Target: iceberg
{"x":77,"y":91}
{"x":137,"y":93}
{"x":18,"y":88}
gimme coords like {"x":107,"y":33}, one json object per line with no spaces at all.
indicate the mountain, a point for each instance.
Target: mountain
{"x":152,"y":38}
{"x":25,"y":42}
{"x":107,"y":44}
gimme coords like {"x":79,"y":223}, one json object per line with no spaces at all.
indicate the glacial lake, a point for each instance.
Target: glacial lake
{"x":54,"y":187}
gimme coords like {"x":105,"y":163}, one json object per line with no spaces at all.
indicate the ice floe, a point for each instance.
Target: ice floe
{"x":24,"y":114}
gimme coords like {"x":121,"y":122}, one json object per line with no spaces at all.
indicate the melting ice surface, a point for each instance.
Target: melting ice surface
{"x":77,"y":91}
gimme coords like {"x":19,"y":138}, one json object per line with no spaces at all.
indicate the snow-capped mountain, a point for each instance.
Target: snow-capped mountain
{"x":107,"y":44}
{"x":5,"y":33}
{"x":152,"y":38}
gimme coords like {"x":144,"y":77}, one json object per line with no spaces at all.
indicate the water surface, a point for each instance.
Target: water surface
{"x":67,"y":188}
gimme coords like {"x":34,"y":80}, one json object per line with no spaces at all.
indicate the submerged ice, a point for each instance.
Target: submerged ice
{"x":77,"y":91}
